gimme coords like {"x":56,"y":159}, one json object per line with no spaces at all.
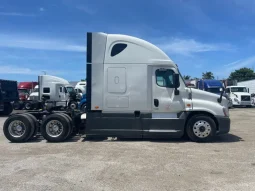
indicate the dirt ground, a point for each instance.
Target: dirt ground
{"x":228,"y":163}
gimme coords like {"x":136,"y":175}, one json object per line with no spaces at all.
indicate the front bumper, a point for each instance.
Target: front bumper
{"x":242,"y":103}
{"x":223,"y":125}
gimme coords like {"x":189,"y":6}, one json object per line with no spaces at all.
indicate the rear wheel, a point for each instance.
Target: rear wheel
{"x":55,"y":128}
{"x":18,"y":128}
{"x":70,"y":123}
{"x":201,"y":128}
{"x":36,"y":124}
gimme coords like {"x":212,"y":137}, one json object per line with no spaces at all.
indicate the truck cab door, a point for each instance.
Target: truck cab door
{"x":167,"y":104}
{"x":165,"y":101}
{"x":61,"y":93}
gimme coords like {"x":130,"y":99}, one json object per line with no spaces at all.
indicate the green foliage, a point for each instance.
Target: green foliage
{"x":207,"y":75}
{"x":242,"y":74}
{"x":186,"y":77}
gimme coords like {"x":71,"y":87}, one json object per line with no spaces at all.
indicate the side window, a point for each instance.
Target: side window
{"x":79,"y":91}
{"x":61,"y":89}
{"x":46,"y":90}
{"x":164,"y":78}
{"x":118,"y":48}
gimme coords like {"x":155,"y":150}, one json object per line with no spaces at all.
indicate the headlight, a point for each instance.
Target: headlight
{"x":236,"y":100}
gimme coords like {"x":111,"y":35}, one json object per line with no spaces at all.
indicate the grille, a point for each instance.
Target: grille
{"x":245,"y":98}
{"x":34,"y":97}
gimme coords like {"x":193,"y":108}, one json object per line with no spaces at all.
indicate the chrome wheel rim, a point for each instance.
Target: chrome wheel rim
{"x":54,"y":128}
{"x":202,"y":129}
{"x":17,"y":128}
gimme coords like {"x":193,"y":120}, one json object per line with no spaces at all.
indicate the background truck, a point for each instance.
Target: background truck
{"x":80,"y":88}
{"x":138,"y":96}
{"x":213,"y":86}
{"x":239,"y":95}
{"x":52,"y":89}
{"x":24,"y":89}
{"x":8,"y":94}
{"x":82,"y":103}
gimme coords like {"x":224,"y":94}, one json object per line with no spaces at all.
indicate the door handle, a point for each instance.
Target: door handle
{"x":156,"y":102}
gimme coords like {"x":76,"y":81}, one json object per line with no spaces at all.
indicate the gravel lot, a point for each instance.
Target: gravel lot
{"x":226,"y":164}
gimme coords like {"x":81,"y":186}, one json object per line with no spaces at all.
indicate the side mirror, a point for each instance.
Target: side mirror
{"x":248,"y":90}
{"x":221,"y":89}
{"x":176,"y":81}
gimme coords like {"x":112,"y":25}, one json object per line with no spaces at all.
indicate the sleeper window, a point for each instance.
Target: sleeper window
{"x":118,"y":48}
{"x":164,"y":78}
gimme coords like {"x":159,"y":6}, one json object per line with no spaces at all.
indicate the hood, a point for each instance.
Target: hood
{"x":207,"y":96}
{"x":241,"y":93}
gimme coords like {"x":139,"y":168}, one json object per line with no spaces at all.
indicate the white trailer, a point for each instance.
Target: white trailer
{"x":134,"y":90}
{"x":249,"y":84}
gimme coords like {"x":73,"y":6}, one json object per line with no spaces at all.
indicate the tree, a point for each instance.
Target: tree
{"x":186,"y":77}
{"x":207,"y":75}
{"x":242,"y":74}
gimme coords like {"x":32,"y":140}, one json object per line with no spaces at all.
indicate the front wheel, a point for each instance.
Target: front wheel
{"x":201,"y":128}
{"x":28,"y":106}
{"x":83,"y":107}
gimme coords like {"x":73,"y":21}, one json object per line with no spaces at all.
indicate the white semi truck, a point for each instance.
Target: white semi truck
{"x":239,"y":95}
{"x":51,"y":88}
{"x":134,"y":90}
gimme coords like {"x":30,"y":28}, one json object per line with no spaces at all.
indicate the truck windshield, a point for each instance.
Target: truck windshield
{"x":238,"y":89}
{"x":214,"y":90}
{"x":36,"y":90}
{"x":23,"y":91}
{"x":70,"y":89}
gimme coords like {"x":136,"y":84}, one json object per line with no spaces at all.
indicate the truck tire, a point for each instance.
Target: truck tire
{"x":18,"y":128}
{"x":70,"y":123}
{"x":16,"y":105}
{"x":72,"y":105}
{"x":55,"y":128}
{"x":36,"y":125}
{"x":28,"y":106}
{"x":83,"y":107}
{"x":7,"y":109}
{"x":201,"y":128}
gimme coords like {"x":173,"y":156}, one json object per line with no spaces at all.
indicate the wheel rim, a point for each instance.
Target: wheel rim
{"x":202,"y":129}
{"x":17,"y":128}
{"x":28,"y":106}
{"x":54,"y":128}
{"x":73,"y":106}
{"x":84,"y":107}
